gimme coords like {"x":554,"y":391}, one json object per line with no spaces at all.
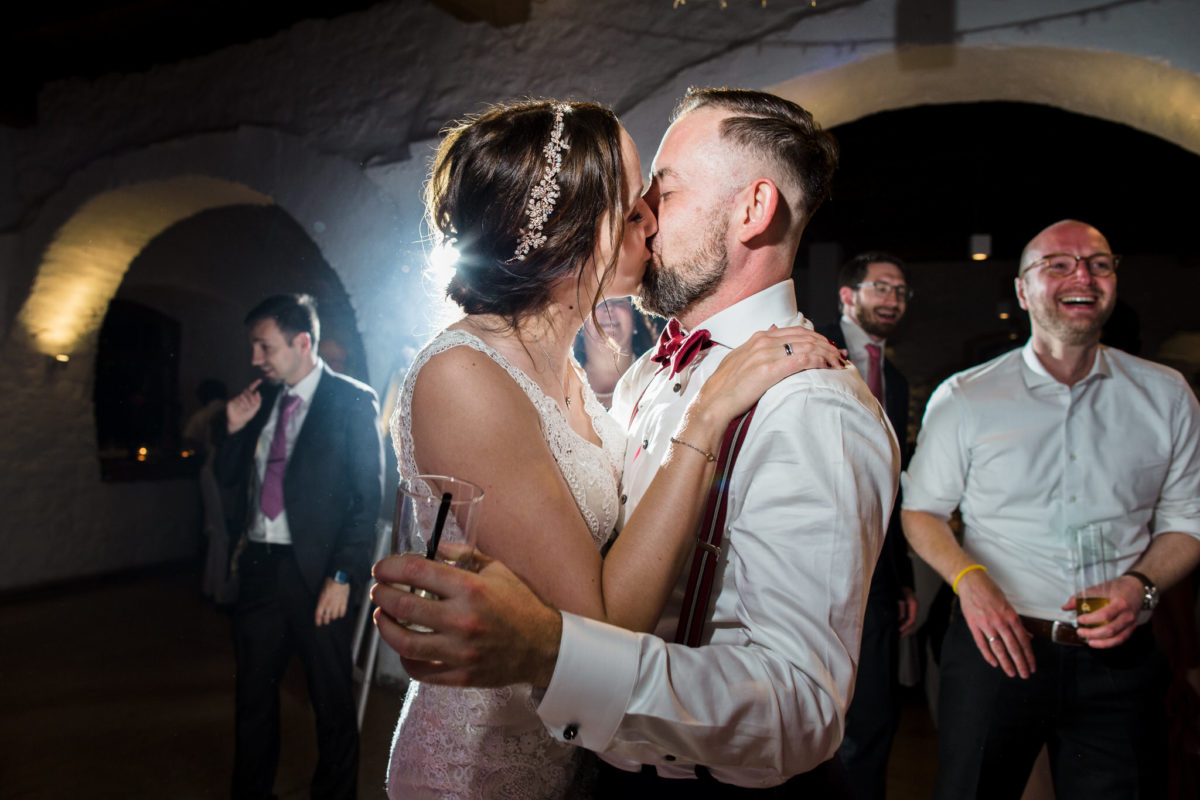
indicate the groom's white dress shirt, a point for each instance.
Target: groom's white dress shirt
{"x":765,"y":697}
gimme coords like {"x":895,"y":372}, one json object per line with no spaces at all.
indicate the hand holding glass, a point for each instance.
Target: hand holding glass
{"x":1094,"y":569}
{"x":435,"y":518}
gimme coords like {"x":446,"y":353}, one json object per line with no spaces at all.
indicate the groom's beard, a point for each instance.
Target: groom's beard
{"x":668,"y":292}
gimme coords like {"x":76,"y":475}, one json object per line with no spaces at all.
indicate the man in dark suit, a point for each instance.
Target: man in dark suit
{"x":303,"y":463}
{"x":873,"y":290}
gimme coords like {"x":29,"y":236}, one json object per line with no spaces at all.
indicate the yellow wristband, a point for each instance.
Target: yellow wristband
{"x":964,"y":571}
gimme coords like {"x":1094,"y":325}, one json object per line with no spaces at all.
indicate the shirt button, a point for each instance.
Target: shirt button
{"x":677,"y":387}
{"x":668,"y":758}
{"x":645,"y":444}
{"x":570,"y":732}
{"x":1071,"y":499}
{"x":1072,"y":456}
{"x":624,"y":497}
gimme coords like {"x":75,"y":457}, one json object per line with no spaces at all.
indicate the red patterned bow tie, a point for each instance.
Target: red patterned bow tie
{"x":677,"y":349}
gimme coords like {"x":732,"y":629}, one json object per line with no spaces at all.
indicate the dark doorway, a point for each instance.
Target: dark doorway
{"x":136,"y":392}
{"x":921,"y":180}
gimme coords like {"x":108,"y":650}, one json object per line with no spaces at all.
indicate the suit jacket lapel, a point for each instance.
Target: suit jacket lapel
{"x":322,"y":404}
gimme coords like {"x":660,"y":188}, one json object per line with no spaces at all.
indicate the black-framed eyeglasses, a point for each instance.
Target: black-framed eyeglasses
{"x":1060,"y":265}
{"x":881,"y":290}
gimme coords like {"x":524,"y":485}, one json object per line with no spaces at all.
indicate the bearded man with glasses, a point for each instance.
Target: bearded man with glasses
{"x":873,"y":293}
{"x":1061,"y":434}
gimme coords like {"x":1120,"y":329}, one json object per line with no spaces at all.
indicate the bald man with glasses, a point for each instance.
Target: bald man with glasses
{"x":1057,"y":435}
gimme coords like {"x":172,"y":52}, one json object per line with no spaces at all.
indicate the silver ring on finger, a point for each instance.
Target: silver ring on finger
{"x":992,"y":639}
{"x":787,"y":348}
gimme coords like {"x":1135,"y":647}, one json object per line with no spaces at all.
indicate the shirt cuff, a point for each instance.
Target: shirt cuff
{"x":592,"y":682}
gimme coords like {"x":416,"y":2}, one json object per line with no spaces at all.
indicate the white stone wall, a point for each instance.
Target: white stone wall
{"x":332,"y":120}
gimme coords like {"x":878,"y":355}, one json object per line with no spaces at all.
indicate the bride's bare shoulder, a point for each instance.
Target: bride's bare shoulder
{"x":468,"y":379}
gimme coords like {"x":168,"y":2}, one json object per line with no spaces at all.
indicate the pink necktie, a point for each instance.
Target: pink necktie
{"x":875,"y":372}
{"x":272,"y":488}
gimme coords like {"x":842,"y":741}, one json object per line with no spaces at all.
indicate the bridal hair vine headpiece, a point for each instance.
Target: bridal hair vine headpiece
{"x":545,"y":194}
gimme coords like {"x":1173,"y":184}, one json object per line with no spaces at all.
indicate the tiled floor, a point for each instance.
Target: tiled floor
{"x":123,"y":688}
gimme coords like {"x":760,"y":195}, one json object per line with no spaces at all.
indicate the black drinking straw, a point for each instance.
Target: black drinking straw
{"x":438,"y":524}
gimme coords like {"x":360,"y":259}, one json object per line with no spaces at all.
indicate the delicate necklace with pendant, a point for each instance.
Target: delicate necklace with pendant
{"x":550,"y":364}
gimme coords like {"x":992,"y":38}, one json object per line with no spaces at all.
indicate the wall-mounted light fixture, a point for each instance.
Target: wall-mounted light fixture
{"x":980,"y":246}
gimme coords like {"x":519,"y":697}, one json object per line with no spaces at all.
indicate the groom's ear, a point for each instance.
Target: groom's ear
{"x":756,"y":208}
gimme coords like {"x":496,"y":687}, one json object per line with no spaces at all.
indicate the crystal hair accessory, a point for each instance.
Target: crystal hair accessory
{"x":545,"y":194}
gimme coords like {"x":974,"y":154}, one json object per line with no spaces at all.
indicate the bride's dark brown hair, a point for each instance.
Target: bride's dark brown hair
{"x":482,"y":179}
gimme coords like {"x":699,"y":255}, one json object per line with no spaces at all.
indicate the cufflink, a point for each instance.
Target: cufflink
{"x":341,"y":577}
{"x":570,"y":732}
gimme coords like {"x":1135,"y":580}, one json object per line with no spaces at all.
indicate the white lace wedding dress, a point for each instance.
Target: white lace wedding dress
{"x":488,"y":744}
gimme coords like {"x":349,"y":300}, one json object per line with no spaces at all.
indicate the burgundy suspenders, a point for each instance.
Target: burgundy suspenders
{"x":712,"y":526}
{"x":709,"y":536}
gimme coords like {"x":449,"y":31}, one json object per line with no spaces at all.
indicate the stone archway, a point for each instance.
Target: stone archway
{"x":89,"y":255}
{"x":61,"y":518}
{"x":365,"y":237}
{"x":1133,"y":90}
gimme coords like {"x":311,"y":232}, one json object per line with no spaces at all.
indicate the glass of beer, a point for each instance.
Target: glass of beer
{"x":435,"y":518}
{"x":1094,"y":568}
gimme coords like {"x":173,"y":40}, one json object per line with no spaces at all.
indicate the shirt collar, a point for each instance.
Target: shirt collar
{"x":856,"y":338}
{"x":776,"y":304}
{"x":1036,"y":373}
{"x":306,"y":386}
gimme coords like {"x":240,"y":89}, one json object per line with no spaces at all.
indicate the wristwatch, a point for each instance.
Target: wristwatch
{"x":1149,"y":588}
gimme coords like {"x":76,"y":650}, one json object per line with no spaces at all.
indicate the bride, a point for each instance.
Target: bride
{"x":543,"y":203}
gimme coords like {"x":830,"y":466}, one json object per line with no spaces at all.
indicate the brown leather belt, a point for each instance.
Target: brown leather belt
{"x":1055,"y":631}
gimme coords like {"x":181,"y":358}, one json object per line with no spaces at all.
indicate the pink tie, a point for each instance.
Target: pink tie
{"x":272,"y":488}
{"x":875,"y":372}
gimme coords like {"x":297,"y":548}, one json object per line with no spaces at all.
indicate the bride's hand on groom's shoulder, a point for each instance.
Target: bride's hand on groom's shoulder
{"x":766,"y":358}
{"x":487,"y":629}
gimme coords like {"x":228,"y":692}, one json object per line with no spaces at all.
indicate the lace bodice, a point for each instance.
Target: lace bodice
{"x":489,"y":743}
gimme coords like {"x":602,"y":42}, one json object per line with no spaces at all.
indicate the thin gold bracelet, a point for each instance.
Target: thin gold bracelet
{"x":707,"y":454}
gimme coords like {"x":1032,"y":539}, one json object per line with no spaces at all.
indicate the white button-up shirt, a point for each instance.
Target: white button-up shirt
{"x":765,"y":697}
{"x":262,"y":528}
{"x":1027,"y":459}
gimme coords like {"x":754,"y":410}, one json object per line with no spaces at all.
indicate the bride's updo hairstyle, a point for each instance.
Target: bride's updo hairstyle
{"x":519,"y":225}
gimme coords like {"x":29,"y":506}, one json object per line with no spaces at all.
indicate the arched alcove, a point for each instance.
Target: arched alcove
{"x":63,"y":520}
{"x":1144,"y":93}
{"x":90,"y":253}
{"x":203,"y":274}
{"x":919,"y":181}
{"x":366,"y":238}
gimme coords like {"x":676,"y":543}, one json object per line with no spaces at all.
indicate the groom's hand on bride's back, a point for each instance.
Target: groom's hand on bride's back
{"x":488,"y":628}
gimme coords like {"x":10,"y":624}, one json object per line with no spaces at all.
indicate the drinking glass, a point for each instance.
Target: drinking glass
{"x":1094,"y":568}
{"x":435,"y":518}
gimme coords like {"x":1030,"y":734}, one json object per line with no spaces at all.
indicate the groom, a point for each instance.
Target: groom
{"x":761,"y":702}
